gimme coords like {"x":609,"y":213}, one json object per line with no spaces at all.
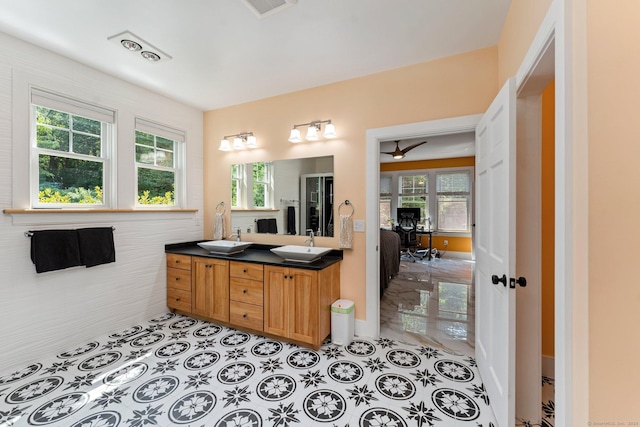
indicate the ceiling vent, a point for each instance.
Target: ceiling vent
{"x":264,"y":8}
{"x":139,"y":47}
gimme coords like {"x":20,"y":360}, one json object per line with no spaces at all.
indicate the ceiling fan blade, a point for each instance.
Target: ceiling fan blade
{"x":397,"y":152}
{"x":411,"y":147}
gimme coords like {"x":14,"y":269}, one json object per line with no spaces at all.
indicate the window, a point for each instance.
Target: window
{"x":414,"y":193}
{"x":237,"y":185}
{"x":262,"y":184}
{"x":453,"y":201}
{"x":157,"y":172}
{"x":252,"y":185}
{"x":71,"y":143}
{"x":447,"y":208}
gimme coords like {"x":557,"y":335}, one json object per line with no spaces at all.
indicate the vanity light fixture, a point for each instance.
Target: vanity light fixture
{"x":313,"y":130}
{"x":240,"y":141}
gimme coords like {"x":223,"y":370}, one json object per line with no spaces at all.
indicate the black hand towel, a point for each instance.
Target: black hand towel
{"x":272,"y":226}
{"x":291,"y":220}
{"x":55,"y":250}
{"x":96,"y":246}
{"x":262,"y":226}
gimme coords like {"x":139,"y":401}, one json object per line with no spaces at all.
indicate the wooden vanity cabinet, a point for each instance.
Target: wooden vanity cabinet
{"x":292,"y":303}
{"x":210,"y":288}
{"x":246,"y":295}
{"x":297,"y":302}
{"x":179,"y":282}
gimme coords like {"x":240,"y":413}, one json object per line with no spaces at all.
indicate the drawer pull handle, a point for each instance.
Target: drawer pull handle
{"x":177,"y":261}
{"x":244,"y":291}
{"x":244,"y":271}
{"x":244,"y":315}
{"x":177,"y":299}
{"x":177,"y":278}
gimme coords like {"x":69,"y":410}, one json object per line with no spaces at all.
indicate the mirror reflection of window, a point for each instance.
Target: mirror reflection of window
{"x":237,"y":183}
{"x":262,"y":184}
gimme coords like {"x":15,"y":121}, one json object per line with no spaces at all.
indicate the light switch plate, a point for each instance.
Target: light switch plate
{"x":358,"y":225}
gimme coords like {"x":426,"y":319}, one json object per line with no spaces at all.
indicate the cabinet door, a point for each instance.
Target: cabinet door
{"x":210,"y":288}
{"x":276,"y":313}
{"x":303,"y":305}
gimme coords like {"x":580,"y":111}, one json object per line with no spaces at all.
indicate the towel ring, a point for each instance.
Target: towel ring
{"x":347,"y":203}
{"x":224,"y":208}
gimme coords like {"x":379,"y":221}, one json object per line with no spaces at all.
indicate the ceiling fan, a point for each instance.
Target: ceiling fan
{"x":399,"y":154}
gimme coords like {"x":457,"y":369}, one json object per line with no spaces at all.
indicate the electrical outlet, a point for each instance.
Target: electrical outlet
{"x":446,"y":243}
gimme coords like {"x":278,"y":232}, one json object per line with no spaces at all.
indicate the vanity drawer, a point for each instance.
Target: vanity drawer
{"x":244,"y":290}
{"x":179,"y":299}
{"x":179,"y":279}
{"x":245,"y":270}
{"x":247,"y":315}
{"x":183,"y":262}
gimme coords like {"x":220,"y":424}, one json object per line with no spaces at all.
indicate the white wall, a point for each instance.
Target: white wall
{"x":44,"y":314}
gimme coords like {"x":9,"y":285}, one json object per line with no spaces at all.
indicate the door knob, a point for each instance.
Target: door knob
{"x":520,"y":281}
{"x":495,"y":279}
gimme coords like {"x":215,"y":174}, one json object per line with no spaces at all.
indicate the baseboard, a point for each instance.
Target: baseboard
{"x":548,"y":367}
{"x":456,"y":255}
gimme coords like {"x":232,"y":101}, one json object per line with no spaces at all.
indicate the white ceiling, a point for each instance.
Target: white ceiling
{"x":437,"y":147}
{"x":223,"y":54}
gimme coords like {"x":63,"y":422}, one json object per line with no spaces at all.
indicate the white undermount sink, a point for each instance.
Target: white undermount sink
{"x":225,"y":247}
{"x":300,"y":253}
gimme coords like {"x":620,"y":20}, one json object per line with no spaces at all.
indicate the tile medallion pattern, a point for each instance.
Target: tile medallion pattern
{"x":174,"y":370}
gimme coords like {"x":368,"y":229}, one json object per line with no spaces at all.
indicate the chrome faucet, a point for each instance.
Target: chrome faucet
{"x":310,"y":239}
{"x":237,"y":235}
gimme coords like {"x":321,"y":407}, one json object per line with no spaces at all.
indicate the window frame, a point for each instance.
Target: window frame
{"x":425,"y":195}
{"x":179,"y":141}
{"x":467,"y":195}
{"x":241,"y":185}
{"x":432,"y":173}
{"x":74,"y":108}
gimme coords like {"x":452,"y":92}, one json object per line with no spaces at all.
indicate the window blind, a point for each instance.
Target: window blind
{"x":160,"y":130}
{"x":54,"y":101}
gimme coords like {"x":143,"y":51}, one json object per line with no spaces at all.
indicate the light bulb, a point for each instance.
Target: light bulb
{"x":330,"y":131}
{"x":312,"y":133}
{"x":224,"y":145}
{"x":237,"y":143}
{"x":251,"y":142}
{"x":295,"y":135}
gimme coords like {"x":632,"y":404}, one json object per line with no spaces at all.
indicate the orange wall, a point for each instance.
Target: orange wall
{"x":455,"y":243}
{"x":613,"y":90}
{"x":428,"y":164}
{"x":548,"y":219}
{"x":448,"y":87}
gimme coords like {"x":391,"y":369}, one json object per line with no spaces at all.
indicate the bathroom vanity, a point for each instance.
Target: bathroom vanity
{"x":255,"y":290}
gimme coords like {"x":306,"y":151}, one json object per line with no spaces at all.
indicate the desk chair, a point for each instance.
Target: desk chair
{"x":407,"y":229}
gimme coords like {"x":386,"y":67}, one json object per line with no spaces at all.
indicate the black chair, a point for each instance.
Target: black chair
{"x":407,"y":230}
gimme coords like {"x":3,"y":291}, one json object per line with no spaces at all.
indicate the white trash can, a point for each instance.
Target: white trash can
{"x":342,"y":322}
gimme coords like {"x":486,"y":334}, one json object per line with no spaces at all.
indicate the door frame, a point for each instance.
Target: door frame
{"x":371,"y":326}
{"x":565,"y":26}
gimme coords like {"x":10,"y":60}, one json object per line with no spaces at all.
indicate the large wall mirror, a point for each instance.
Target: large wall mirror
{"x":283,"y":196}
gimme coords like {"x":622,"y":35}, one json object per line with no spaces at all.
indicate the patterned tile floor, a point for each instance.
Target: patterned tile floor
{"x":431,"y":303}
{"x":174,"y":370}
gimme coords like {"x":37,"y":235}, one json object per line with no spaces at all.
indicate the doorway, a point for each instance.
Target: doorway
{"x":538,"y":77}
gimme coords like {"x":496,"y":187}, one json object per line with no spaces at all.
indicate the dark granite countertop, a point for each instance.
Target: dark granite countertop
{"x":256,"y":253}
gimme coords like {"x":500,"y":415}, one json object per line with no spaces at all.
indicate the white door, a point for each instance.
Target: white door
{"x":495,"y":252}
